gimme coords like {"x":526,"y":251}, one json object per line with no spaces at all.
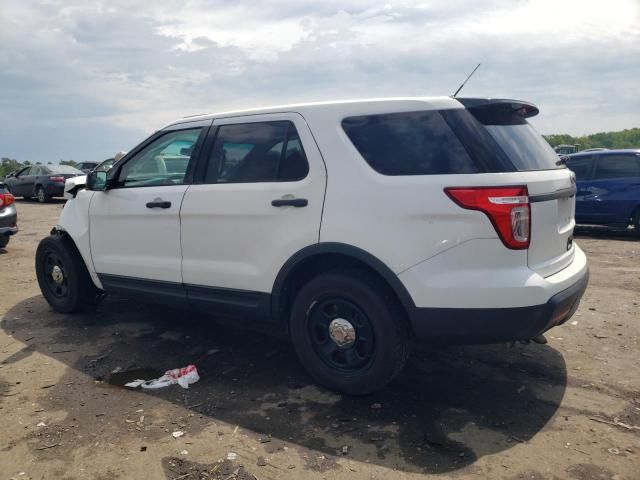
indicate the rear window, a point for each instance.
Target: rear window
{"x":506,"y":123}
{"x":525,"y":147}
{"x":65,"y":169}
{"x":410,"y":143}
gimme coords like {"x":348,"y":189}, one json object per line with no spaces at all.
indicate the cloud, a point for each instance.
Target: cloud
{"x":88,"y":79}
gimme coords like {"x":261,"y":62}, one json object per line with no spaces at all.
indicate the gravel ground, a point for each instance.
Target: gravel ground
{"x":569,"y":409}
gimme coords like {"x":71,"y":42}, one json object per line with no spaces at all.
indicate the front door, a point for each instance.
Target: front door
{"x":23,"y":183}
{"x":135,"y":224}
{"x":259,"y":200}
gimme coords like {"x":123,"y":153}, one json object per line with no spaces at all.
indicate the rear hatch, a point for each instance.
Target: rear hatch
{"x":551,"y":186}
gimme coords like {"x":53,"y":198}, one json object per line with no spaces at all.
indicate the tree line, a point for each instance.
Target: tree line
{"x":629,"y":138}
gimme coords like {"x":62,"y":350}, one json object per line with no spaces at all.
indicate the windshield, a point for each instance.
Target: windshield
{"x":65,"y":169}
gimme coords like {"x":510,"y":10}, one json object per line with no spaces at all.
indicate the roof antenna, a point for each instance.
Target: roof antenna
{"x":465,"y":82}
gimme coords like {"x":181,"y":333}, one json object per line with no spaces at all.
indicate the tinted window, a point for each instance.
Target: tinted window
{"x":412,"y":143}
{"x":257,"y":152}
{"x":525,"y":147}
{"x":35,"y":171}
{"x":581,"y":167}
{"x":65,"y":169}
{"x":617,"y":166}
{"x":163,"y":162}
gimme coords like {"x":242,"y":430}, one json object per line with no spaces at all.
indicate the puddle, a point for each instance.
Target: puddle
{"x":121,"y":378}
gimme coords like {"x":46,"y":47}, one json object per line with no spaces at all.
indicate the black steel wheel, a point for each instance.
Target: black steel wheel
{"x":349,"y":331}
{"x":341,"y":334}
{"x":62,"y":275}
{"x":56,"y":280}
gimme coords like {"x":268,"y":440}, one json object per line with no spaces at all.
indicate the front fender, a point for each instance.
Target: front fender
{"x":74,"y":221}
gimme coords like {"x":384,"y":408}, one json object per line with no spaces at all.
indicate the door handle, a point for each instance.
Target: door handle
{"x":290,"y":202}
{"x":159,"y":204}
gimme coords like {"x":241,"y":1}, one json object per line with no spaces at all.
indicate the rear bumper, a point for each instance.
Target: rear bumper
{"x":493,"y":325}
{"x":8,"y":220}
{"x":54,"y":189}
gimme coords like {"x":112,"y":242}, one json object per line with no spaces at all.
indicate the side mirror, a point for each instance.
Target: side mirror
{"x":97,"y":181}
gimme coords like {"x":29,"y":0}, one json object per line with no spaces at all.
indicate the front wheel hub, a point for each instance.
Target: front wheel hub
{"x":57,"y":275}
{"x":342,"y":332}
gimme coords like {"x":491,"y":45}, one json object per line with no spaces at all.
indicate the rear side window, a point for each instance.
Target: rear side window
{"x":410,"y":143}
{"x":617,"y":166}
{"x":257,"y":152}
{"x":581,"y":167}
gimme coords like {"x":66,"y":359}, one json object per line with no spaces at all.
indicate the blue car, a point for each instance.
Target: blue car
{"x":608,"y":183}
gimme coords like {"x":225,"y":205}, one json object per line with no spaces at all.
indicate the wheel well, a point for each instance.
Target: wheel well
{"x":311,"y":266}
{"x":68,"y":240}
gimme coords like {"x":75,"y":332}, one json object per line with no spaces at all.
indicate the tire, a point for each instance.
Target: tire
{"x":42,"y":195}
{"x":381,"y":346}
{"x":4,"y":240}
{"x":72,"y":289}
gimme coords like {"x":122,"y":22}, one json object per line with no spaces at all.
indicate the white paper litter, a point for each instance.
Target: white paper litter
{"x":182,"y":376}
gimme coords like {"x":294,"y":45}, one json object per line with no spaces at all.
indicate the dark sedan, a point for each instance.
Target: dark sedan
{"x":8,"y":216}
{"x":41,"y":181}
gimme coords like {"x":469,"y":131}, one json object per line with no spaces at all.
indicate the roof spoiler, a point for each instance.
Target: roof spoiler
{"x":517,"y":107}
{"x":500,"y":111}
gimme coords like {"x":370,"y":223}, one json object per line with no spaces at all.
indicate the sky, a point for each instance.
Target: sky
{"x":82,"y":80}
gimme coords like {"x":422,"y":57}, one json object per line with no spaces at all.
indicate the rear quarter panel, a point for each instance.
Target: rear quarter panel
{"x":403,"y":220}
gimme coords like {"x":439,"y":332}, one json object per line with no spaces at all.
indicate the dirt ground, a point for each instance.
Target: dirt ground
{"x":569,"y":409}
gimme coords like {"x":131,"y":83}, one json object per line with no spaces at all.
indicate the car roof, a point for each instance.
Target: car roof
{"x":348,"y":107}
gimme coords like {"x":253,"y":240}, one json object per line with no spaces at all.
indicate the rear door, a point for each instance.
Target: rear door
{"x":259,"y":200}
{"x":613,"y":190}
{"x":30,"y":180}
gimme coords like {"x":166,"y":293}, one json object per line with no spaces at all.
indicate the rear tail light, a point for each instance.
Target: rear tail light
{"x":57,"y":179}
{"x":6,"y":199}
{"x":507,"y":208}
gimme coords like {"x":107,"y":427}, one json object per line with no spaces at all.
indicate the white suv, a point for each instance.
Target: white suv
{"x":356,"y":227}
